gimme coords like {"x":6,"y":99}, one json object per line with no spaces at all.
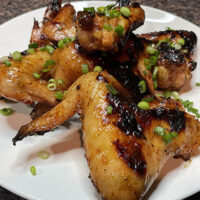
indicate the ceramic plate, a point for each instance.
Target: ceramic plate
{"x":65,"y":174}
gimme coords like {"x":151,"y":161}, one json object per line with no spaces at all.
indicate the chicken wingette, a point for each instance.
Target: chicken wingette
{"x":20,"y":81}
{"x":124,"y":146}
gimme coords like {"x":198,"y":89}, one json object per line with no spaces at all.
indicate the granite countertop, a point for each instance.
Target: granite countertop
{"x":189,"y":10}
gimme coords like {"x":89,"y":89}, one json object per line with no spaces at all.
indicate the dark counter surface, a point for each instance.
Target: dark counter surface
{"x":9,"y":9}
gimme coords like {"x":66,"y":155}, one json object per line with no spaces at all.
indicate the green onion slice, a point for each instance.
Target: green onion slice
{"x":43,"y":155}
{"x":50,"y":49}
{"x":7,"y":63}
{"x":181,"y":41}
{"x":60,"y":81}
{"x":159,"y":130}
{"x":111,"y":89}
{"x":142,"y":86}
{"x":51,"y":86}
{"x":33,"y":45}
{"x":49,"y":63}
{"x":98,"y":69}
{"x":59,"y":95}
{"x":36,"y":75}
{"x":31,"y":51}
{"x":167,"y":138}
{"x":17,"y":56}
{"x":85,"y":68}
{"x":150,"y":50}
{"x":89,"y":9}
{"x":33,"y":170}
{"x":6,"y":111}
{"x":197,"y":84}
{"x":46,"y":69}
{"x":109,"y":110}
{"x":125,"y":11}
{"x":143,"y":105}
{"x":52,"y":81}
{"x":119,"y":30}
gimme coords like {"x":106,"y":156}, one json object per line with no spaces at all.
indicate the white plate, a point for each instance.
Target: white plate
{"x":65,"y":174}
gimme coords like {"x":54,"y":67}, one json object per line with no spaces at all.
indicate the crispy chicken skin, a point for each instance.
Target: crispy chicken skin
{"x":58,"y":23}
{"x":92,"y":35}
{"x":124,"y":154}
{"x":17,"y":82}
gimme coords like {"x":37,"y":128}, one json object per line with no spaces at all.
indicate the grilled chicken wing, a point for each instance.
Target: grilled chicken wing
{"x":123,"y":152}
{"x":175,"y":61}
{"x":18,"y":83}
{"x":58,"y":23}
{"x":107,"y":29}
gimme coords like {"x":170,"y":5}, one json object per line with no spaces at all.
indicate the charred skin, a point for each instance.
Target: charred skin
{"x":123,"y":164}
{"x":17,"y":82}
{"x":174,"y":66}
{"x":93,"y":37}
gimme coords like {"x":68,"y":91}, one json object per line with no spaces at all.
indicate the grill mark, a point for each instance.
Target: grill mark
{"x":131,"y":153}
{"x":126,"y":121}
{"x":170,"y":55}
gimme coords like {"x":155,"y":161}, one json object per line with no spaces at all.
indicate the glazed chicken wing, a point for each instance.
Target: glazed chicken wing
{"x":107,"y":29}
{"x":174,"y":59}
{"x":57,"y":24}
{"x":124,"y":153}
{"x":17,"y":81}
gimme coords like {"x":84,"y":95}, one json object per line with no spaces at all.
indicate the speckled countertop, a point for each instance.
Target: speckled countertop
{"x":188,"y":9}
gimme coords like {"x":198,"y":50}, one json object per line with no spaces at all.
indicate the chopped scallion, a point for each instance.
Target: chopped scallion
{"x":111,"y":88}
{"x":31,"y":51}
{"x":60,"y":81}
{"x":159,"y":130}
{"x":109,"y":110}
{"x":52,"y":81}
{"x":17,"y":56}
{"x":43,"y":155}
{"x":181,"y":41}
{"x":167,"y":138}
{"x":143,"y":105}
{"x":51,"y":86}
{"x":142,"y":86}
{"x":98,"y":69}
{"x":7,"y":63}
{"x":119,"y":30}
{"x":6,"y":111}
{"x":150,"y":50}
{"x":197,"y":84}
{"x":89,"y":9}
{"x":59,"y":95}
{"x":125,"y":11}
{"x":48,"y":69}
{"x":85,"y":68}
{"x":36,"y":75}
{"x":33,"y":170}
{"x":33,"y":45}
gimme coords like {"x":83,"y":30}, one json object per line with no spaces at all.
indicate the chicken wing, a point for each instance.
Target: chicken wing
{"x":124,"y":153}
{"x":18,"y":83}
{"x":57,"y":24}
{"x":107,"y":29}
{"x":174,"y":60}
